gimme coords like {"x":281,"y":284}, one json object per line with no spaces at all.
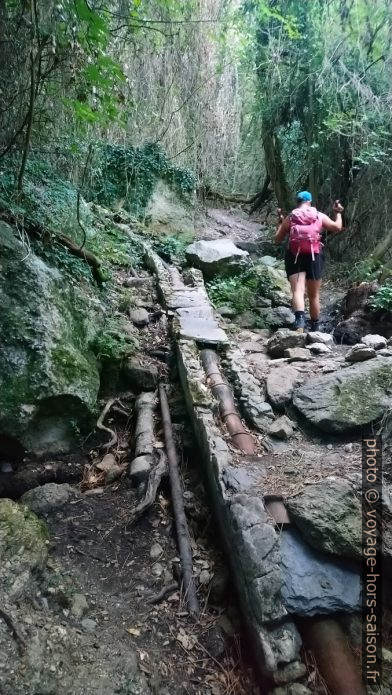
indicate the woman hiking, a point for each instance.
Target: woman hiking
{"x":304,"y":260}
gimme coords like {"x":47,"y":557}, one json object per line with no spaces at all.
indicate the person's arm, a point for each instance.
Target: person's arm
{"x":283,"y":231}
{"x":337,"y":224}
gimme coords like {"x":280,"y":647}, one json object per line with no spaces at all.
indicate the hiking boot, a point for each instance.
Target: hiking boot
{"x":299,"y":324}
{"x":314,"y":326}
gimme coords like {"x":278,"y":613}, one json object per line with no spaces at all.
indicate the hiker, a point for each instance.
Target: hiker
{"x":304,"y":260}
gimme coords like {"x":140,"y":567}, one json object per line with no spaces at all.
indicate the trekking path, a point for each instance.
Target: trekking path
{"x":289,"y":512}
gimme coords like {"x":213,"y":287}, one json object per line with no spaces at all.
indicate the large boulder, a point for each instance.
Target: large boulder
{"x":23,"y":548}
{"x":49,"y":379}
{"x":329,"y":516}
{"x":217,"y":257}
{"x":351,"y":397}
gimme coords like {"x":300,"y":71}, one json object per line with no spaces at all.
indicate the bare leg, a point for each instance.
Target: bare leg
{"x":313,"y":290}
{"x":297,"y":283}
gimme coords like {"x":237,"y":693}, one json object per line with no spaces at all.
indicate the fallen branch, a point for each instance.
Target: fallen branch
{"x":82,"y":253}
{"x":103,"y":428}
{"x":37,"y":230}
{"x":154,"y":481}
{"x":168,"y":589}
{"x":184,"y":542}
{"x":14,"y":630}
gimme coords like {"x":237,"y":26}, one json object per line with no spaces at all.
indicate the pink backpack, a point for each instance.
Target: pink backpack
{"x":305,"y":231}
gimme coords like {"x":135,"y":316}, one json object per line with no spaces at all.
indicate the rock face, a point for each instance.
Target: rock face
{"x":349,"y":398}
{"x":283,"y":340}
{"x":49,"y":379}
{"x":217,"y":257}
{"x":329,"y":516}
{"x":280,"y":317}
{"x":166,"y":212}
{"x":23,"y":548}
{"x":314,"y":585}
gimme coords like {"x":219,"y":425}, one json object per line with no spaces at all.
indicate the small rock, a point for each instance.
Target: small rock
{"x":107,"y":463}
{"x":360,"y":353}
{"x":318,"y":337}
{"x":79,"y":606}
{"x":348,"y":448}
{"x":319,"y":349}
{"x":297,"y":354}
{"x":140,"y":469}
{"x":88,"y":625}
{"x":247,"y":320}
{"x":135,"y":282}
{"x":329,"y":447}
{"x":204,"y":577}
{"x":139,"y":317}
{"x":385,"y":353}
{"x":156,"y":551}
{"x":284,"y":339}
{"x":114,"y":474}
{"x":227,"y":311}
{"x":282,"y":428}
{"x":158,"y":569}
{"x":291,"y":672}
{"x":377,"y":342}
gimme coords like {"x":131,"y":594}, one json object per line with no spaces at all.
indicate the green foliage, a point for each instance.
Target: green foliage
{"x":125,"y":301}
{"x":365,"y":270}
{"x":112,"y":343}
{"x":127,"y":175}
{"x":382,"y":299}
{"x":172,"y":247}
{"x":241,"y":291}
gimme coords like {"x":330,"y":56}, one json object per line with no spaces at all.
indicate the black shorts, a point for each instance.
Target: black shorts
{"x":314,"y":269}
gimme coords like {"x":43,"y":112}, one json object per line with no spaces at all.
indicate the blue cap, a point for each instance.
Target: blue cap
{"x":304,"y":196}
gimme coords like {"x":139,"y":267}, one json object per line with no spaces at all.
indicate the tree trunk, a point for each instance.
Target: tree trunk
{"x":275,"y":167}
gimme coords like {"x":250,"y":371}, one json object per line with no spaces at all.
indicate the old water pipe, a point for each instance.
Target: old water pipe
{"x":241,"y":439}
{"x":333,"y":655}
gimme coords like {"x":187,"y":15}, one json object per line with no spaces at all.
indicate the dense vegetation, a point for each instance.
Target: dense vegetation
{"x":238,"y":97}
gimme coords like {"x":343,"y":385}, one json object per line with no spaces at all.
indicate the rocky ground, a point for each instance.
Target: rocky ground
{"x":86,"y":608}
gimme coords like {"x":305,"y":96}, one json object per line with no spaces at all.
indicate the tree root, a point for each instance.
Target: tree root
{"x":154,"y":481}
{"x":103,"y":428}
{"x":168,"y":589}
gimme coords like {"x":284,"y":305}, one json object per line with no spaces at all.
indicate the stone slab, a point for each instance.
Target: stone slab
{"x":313,"y":584}
{"x":207,"y":332}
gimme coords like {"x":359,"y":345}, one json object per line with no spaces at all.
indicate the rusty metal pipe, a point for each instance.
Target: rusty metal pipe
{"x":240,"y":438}
{"x":333,"y":655}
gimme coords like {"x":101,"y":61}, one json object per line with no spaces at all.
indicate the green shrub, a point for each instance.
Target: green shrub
{"x":172,"y":247}
{"x":112,"y":343}
{"x":127,"y":175}
{"x":382,"y":299}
